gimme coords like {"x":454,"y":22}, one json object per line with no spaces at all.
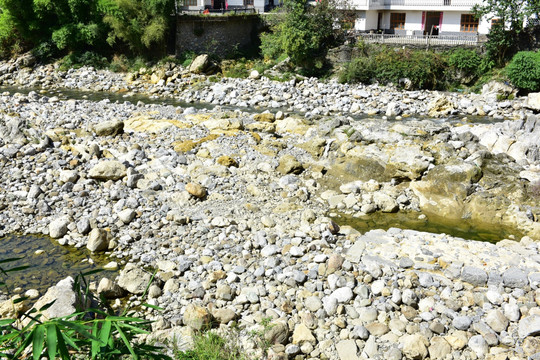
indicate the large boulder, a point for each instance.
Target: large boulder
{"x":496,"y":90}
{"x":441,"y":106}
{"x":445,"y":188}
{"x":533,"y":101}
{"x":109,"y":128}
{"x":134,"y":279}
{"x":108,"y":170}
{"x":66,"y":300}
{"x":58,"y":228}
{"x":200,"y":64}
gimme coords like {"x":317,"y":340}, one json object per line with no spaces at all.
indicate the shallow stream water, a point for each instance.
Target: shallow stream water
{"x":48,"y":262}
{"x":413,"y":221}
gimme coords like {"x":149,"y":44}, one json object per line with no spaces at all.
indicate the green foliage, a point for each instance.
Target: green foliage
{"x":121,"y":63}
{"x":210,"y":346}
{"x":524,"y":70}
{"x":70,"y":25}
{"x":512,"y":16}
{"x":10,"y":43}
{"x":425,"y":70}
{"x":94,"y":333}
{"x":466,"y":61}
{"x":88,"y":58}
{"x":304,"y":33}
{"x":501,"y":45}
{"x":361,"y":69}
{"x":141,"y":24}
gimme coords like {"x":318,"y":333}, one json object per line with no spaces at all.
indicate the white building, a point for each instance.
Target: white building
{"x":417,"y":17}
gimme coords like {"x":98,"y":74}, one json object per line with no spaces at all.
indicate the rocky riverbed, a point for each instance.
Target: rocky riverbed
{"x":234,"y":209}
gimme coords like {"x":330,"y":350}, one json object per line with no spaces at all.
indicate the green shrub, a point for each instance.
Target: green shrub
{"x":210,"y":346}
{"x":362,"y":69}
{"x":524,"y":70}
{"x":88,"y":58}
{"x":425,"y":70}
{"x":466,"y":61}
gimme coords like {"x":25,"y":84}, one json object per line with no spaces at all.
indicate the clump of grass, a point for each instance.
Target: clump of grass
{"x":210,"y":346}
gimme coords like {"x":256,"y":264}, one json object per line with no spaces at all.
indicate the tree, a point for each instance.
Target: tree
{"x":304,"y":33}
{"x":141,"y":24}
{"x":68,"y":24}
{"x":513,"y":16}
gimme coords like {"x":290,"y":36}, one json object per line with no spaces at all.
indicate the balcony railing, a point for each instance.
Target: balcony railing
{"x":434,"y":40}
{"x":424,"y":3}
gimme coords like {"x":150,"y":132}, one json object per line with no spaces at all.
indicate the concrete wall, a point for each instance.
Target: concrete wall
{"x":219,"y":35}
{"x":413,"y":20}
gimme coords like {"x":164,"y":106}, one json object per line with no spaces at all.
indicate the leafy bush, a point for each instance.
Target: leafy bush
{"x":425,"y":70}
{"x":362,"y":69}
{"x":466,"y":61}
{"x":88,"y":58}
{"x":524,"y":70}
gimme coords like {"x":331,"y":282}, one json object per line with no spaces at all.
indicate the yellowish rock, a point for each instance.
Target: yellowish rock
{"x":302,"y":334}
{"x":265,"y":117}
{"x":196,"y":190}
{"x":227,"y":161}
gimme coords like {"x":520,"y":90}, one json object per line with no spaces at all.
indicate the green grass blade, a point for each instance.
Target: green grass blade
{"x":52,"y":341}
{"x":62,"y":348}
{"x":10,"y":260}
{"x":27,"y":341}
{"x":37,"y":342}
{"x":5,"y":322}
{"x":78,"y":327}
{"x":152,"y":307}
{"x":126,"y":341}
{"x":105,"y":332}
{"x":18,"y":268}
{"x":96,"y":345}
{"x":47,"y":305}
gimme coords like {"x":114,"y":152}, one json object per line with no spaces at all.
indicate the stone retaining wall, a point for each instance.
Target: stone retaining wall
{"x":217,"y":35}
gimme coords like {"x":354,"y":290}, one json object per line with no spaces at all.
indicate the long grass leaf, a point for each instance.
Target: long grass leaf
{"x":47,"y":305}
{"x":62,"y":348}
{"x":18,"y":268}
{"x":126,"y":342}
{"x":52,"y":341}
{"x":27,"y":341}
{"x":5,"y":322}
{"x":96,"y":345}
{"x":78,"y":327}
{"x":152,"y":307}
{"x":105,"y":332}
{"x":10,"y":260}
{"x":37,"y":342}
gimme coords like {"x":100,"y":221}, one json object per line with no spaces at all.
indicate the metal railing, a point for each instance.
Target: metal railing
{"x":425,"y":3}
{"x":245,"y":10}
{"x":448,"y":40}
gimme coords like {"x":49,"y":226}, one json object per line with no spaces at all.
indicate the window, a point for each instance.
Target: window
{"x":397,"y":21}
{"x":248,"y":2}
{"x":496,"y":22}
{"x":469,"y":23}
{"x":190,"y":2}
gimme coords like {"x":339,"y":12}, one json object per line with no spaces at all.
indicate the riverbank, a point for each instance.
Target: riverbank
{"x":233,"y":210}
